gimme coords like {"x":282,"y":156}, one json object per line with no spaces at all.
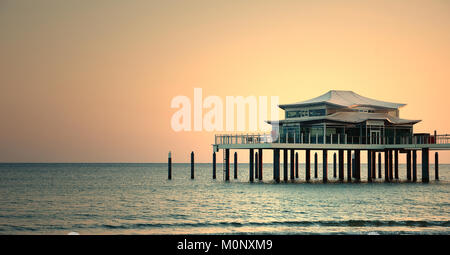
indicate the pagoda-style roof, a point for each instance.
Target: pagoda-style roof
{"x":344,"y":99}
{"x":350,"y":117}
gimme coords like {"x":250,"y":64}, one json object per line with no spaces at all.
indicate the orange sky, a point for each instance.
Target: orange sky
{"x":92,"y":81}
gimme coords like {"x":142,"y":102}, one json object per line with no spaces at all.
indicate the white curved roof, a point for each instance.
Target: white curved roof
{"x":348,"y":99}
{"x":351,"y":117}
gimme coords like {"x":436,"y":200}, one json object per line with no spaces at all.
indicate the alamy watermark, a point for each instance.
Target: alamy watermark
{"x":211,"y":114}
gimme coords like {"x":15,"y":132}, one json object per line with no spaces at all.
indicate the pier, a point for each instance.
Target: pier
{"x":291,"y":150}
{"x":340,"y":122}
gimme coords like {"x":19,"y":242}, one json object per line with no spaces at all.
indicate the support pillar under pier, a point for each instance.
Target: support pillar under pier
{"x":292,"y":159}
{"x":425,"y":165}
{"x":379,"y":165}
{"x":408,"y":165}
{"x":386,"y":165}
{"x":260,"y":169}
{"x":436,"y":166}
{"x":341,"y":164}
{"x":315,"y":165}
{"x":227,"y":164}
{"x":250,"y":167}
{"x":369,"y":166}
{"x":307,"y":165}
{"x":325,"y":166}
{"x":391,"y":165}
{"x":414,"y":165}
{"x":276,"y":165}
{"x":334,"y":165}
{"x":396,"y":165}
{"x":349,"y":165}
{"x":374,"y":166}
{"x":358,"y":164}
{"x":285,"y":165}
{"x":256,"y":165}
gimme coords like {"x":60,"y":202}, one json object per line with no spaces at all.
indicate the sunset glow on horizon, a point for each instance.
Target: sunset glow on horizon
{"x":92,"y":81}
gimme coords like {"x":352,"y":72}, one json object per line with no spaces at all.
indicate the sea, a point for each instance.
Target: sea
{"x":123,"y":198}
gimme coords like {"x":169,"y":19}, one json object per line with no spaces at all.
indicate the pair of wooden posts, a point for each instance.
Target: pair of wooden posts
{"x":169,"y":167}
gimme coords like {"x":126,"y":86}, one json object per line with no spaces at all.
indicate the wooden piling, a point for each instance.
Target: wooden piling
{"x":369,"y":166}
{"x":325,"y":166}
{"x":425,"y":165}
{"x":334,"y":166}
{"x":396,"y":165}
{"x":235,"y":165}
{"x":408,"y":165}
{"x":276,"y":165}
{"x":214,"y":165}
{"x":169,"y":166}
{"x":391,"y":165}
{"x":296,"y":165}
{"x":250,"y":167}
{"x":307,"y":165}
{"x":227,"y":164}
{"x":436,"y":166}
{"x":349,"y":165}
{"x":285,"y":165}
{"x":260,"y":164}
{"x":379,"y":165}
{"x":341,"y":164}
{"x":374,"y":167}
{"x":358,"y":164}
{"x":386,"y":166}
{"x":353,"y":165}
{"x":256,"y":166}
{"x":414,"y":165}
{"x":292,"y":164}
{"x":192,"y":165}
{"x":315,"y":165}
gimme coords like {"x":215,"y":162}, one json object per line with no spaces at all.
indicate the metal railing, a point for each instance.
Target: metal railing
{"x":442,"y":139}
{"x":243,"y":138}
{"x":329,"y":139}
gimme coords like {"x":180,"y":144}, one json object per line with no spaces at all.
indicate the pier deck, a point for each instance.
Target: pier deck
{"x":353,"y":147}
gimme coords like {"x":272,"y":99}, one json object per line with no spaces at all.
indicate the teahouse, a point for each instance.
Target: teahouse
{"x":340,"y":121}
{"x":343,"y":117}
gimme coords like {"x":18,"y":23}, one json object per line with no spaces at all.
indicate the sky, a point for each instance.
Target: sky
{"x":93,"y":81}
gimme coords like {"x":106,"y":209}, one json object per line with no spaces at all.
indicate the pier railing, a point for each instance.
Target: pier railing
{"x":329,"y":139}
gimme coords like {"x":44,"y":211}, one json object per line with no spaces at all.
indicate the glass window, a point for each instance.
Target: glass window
{"x":291,"y":114}
{"x":317,"y":112}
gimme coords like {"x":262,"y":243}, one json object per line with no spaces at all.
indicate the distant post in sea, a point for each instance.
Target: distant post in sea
{"x":235,"y":165}
{"x":214,"y":165}
{"x":170,"y":166}
{"x":192,"y":165}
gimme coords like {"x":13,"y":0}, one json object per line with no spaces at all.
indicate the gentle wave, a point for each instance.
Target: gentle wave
{"x":349,"y":223}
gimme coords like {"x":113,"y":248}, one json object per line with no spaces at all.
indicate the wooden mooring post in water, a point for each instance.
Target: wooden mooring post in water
{"x":169,"y":163}
{"x":192,"y":165}
{"x":214,"y":165}
{"x":235,"y":165}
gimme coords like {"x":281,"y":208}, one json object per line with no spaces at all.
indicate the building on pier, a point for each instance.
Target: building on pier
{"x":344,"y":122}
{"x":343,"y":117}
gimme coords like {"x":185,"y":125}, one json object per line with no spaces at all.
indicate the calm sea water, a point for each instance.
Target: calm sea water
{"x":138,"y":199}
